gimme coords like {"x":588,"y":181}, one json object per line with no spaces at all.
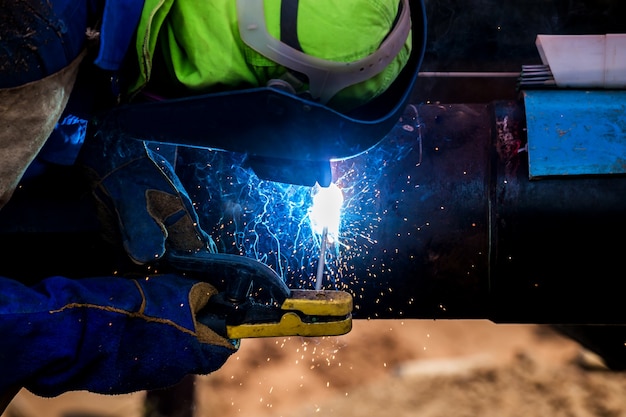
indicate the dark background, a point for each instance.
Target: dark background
{"x":491,"y":36}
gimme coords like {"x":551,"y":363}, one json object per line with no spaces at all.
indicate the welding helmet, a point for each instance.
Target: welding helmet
{"x":297,"y":94}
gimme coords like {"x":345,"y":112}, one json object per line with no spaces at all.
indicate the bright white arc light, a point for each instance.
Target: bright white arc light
{"x":326,"y":211}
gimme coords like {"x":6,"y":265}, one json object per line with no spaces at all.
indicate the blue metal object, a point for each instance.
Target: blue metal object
{"x":576,"y":132}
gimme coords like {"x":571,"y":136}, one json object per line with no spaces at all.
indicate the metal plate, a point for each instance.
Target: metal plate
{"x":576,"y":132}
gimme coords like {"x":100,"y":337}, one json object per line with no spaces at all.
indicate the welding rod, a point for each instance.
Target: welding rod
{"x":320,"y":262}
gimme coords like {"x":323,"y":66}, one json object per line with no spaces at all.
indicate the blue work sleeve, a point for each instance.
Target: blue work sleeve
{"x":107,"y":335}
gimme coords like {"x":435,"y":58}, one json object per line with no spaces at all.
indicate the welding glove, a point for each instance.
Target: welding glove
{"x":138,"y":188}
{"x":107,"y":335}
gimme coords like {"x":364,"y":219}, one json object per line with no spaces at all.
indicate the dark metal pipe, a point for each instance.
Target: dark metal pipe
{"x":466,"y":234}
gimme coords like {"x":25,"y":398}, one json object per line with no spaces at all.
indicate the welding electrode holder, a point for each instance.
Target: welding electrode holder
{"x":255,"y":302}
{"x":237,"y":274}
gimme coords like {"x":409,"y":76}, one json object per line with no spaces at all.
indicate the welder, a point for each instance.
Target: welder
{"x":63,"y":61}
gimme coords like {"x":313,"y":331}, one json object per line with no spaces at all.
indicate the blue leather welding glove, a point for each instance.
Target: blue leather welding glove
{"x":139,"y":188}
{"x":106,"y":335}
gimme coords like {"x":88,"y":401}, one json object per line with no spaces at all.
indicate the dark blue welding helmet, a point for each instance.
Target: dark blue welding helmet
{"x":286,"y":136}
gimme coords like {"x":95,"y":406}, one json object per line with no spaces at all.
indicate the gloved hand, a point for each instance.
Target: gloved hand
{"x":107,"y":335}
{"x":139,"y":188}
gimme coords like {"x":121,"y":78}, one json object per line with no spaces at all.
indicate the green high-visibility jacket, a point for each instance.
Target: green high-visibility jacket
{"x":198,"y":46}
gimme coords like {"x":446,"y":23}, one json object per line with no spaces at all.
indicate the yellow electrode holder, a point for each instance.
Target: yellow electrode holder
{"x":306,"y":313}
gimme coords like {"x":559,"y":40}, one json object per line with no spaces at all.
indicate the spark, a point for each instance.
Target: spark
{"x":278,"y":223}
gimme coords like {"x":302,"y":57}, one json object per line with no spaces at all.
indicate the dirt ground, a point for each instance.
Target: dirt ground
{"x":420,"y":368}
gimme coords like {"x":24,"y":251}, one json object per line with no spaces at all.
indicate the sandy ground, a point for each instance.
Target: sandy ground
{"x":386,"y":367}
